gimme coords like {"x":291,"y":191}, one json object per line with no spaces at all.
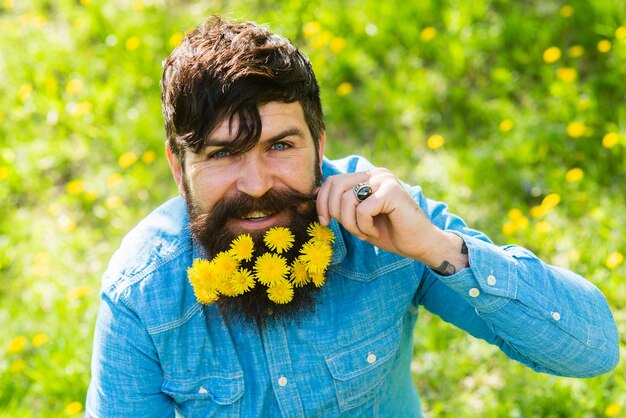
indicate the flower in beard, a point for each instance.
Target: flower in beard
{"x":270,"y":268}
{"x":280,"y":292}
{"x":279,"y":239}
{"x":204,"y":281}
{"x":316,"y":255}
{"x":318,"y":232}
{"x":225,"y":265}
{"x":299,"y":275}
{"x":242,"y":281}
{"x":242,"y":247}
{"x":318,"y":278}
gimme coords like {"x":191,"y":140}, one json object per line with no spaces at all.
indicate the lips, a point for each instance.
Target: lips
{"x":256,"y":216}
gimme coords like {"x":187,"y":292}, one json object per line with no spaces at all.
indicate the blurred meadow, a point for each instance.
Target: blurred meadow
{"x":513,"y":112}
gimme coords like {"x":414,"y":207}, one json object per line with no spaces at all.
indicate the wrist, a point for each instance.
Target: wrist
{"x":448,"y":254}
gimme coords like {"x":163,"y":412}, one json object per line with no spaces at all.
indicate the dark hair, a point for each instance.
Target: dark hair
{"x":226,"y":70}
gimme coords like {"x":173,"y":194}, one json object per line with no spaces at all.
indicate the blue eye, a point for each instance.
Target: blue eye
{"x":280,"y":146}
{"x":220,"y":154}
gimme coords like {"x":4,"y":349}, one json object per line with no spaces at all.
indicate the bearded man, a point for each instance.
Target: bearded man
{"x":283,"y":284}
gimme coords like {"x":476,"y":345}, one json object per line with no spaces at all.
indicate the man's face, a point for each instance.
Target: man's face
{"x":231,"y":192}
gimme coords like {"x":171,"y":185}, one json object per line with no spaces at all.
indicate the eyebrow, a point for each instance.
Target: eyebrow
{"x":212,"y":142}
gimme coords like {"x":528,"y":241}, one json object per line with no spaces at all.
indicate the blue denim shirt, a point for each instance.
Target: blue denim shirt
{"x":157,"y":352}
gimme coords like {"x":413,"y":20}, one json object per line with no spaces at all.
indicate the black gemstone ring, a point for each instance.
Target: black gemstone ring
{"x":362,"y":191}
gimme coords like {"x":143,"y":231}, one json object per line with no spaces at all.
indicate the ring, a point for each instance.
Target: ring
{"x":362,"y":191}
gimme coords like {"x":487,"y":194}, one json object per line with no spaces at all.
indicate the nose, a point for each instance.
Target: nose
{"x":255,"y":176}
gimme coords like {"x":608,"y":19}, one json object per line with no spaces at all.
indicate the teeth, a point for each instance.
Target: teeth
{"x":257,"y":215}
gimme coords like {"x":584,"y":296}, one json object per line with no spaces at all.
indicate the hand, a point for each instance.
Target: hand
{"x":388,"y":219}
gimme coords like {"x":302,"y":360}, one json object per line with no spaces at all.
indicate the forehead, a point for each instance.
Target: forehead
{"x":275,"y":117}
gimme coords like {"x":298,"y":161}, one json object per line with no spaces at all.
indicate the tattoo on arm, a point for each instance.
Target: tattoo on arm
{"x":447,"y":269}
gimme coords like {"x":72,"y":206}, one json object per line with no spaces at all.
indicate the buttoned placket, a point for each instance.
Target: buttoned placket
{"x":276,"y":348}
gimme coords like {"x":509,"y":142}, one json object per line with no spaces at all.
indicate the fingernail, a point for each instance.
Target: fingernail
{"x":322,"y":220}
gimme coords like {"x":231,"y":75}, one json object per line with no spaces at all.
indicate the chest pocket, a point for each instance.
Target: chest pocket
{"x":208,"y":396}
{"x":359,"y":371}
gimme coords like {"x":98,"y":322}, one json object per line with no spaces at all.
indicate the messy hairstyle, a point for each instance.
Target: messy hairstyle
{"x":224,"y":71}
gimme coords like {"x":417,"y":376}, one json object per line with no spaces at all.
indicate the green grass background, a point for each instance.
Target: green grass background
{"x":490,"y":105}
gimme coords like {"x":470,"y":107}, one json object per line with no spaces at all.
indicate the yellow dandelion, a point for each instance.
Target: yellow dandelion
{"x":576,"y":129}
{"x":337,"y":45}
{"x":614,"y":260}
{"x":318,"y":232}
{"x":242,"y":247}
{"x":75,"y":187}
{"x":318,"y":278}
{"x":242,"y":281}
{"x":280,"y":292}
{"x":316,"y":255}
{"x":311,"y":28}
{"x":344,"y":89}
{"x":79,"y":292}
{"x":17,"y":366}
{"x":4,"y":173}
{"x":551,"y":55}
{"x":435,"y":141}
{"x":574,"y":175}
{"x":610,"y":140}
{"x":175,"y":39}
{"x":73,"y":408}
{"x":203,"y":280}
{"x":620,"y":33}
{"x":613,"y":410}
{"x":25,"y":91}
{"x":113,"y":180}
{"x":270,"y":268}
{"x":428,"y":34}
{"x":576,"y":51}
{"x":604,"y":46}
{"x":74,"y":86}
{"x":133,"y":43}
{"x":40,"y":339}
{"x":543,"y":227}
{"x":17,"y":344}
{"x":279,"y":239}
{"x":566,"y":11}
{"x":148,"y":157}
{"x":567,"y":75}
{"x":509,"y":228}
{"x":551,"y":200}
{"x":506,"y":125}
{"x":113,"y":202}
{"x":227,"y":288}
{"x":299,"y":275}
{"x":225,"y":265}
{"x":127,"y":159}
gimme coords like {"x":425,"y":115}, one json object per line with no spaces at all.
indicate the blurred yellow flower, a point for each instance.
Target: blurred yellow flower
{"x":17,"y":344}
{"x":610,"y":140}
{"x":566,"y":11}
{"x":428,"y":34}
{"x":435,"y":141}
{"x":620,"y":33}
{"x":551,"y":55}
{"x":566,"y":74}
{"x":73,"y":408}
{"x":547,"y":205}
{"x":321,"y":40}
{"x":17,"y":366}
{"x":74,"y":86}
{"x":139,"y":5}
{"x":133,"y":43}
{"x":78,"y":292}
{"x":604,"y":46}
{"x":85,"y":2}
{"x":51,"y":85}
{"x":613,"y":410}
{"x":576,"y":51}
{"x":80,"y":109}
{"x":543,"y":227}
{"x":311,"y":28}
{"x":280,"y":292}
{"x":25,"y":91}
{"x":4,"y":173}
{"x":127,"y":159}
{"x":344,"y":89}
{"x":113,"y":202}
{"x":176,"y":39}
{"x":90,"y":196}
{"x":148,"y":157}
{"x":506,"y":125}
{"x":75,"y":187}
{"x":574,"y":175}
{"x":40,"y":339}
{"x":114,"y":179}
{"x":614,"y":260}
{"x":576,"y":129}
{"x":337,"y":45}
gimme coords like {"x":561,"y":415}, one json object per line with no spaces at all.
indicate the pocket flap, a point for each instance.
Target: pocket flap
{"x":221,"y":389}
{"x":364,"y":356}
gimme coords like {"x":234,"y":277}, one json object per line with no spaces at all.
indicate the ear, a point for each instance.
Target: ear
{"x":176,"y":167}
{"x":321,"y":146}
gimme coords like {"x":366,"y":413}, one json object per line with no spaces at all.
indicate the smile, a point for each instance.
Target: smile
{"x":257,"y":215}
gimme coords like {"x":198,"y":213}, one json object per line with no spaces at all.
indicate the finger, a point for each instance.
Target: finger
{"x":349,"y":205}
{"x":338,"y":187}
{"x":321,"y":203}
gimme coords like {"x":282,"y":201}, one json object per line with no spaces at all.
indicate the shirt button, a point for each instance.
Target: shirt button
{"x":371,"y":358}
{"x":282,"y":381}
{"x":202,"y":391}
{"x":556,"y":316}
{"x":491,"y":280}
{"x":473,"y":292}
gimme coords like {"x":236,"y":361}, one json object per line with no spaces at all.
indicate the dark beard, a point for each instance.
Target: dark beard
{"x":211,"y":230}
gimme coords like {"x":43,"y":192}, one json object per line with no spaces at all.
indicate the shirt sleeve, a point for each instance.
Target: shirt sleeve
{"x":126,"y":376}
{"x":546,"y":317}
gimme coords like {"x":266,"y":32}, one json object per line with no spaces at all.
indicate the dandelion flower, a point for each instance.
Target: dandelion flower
{"x":270,"y":268}
{"x":614,"y":260}
{"x":279,"y":239}
{"x":320,"y":233}
{"x":318,"y":279}
{"x":280,"y":292}
{"x":225,"y":265}
{"x":299,"y":275}
{"x":316,"y":255}
{"x":17,"y":344}
{"x":203,"y":280}
{"x":242,"y":247}
{"x":242,"y":281}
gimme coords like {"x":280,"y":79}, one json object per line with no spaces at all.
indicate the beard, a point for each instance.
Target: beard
{"x":212,"y":231}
